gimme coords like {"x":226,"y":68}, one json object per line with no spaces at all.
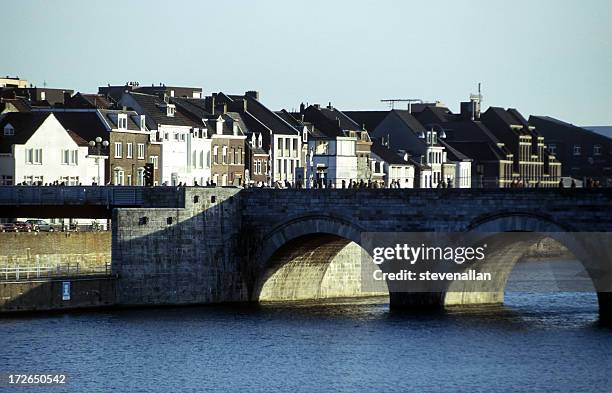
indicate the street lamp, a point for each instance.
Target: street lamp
{"x":99,"y":144}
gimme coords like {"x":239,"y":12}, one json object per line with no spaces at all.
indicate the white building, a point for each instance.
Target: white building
{"x":332,"y":159}
{"x":185,"y":144}
{"x":396,"y":170}
{"x":37,"y":149}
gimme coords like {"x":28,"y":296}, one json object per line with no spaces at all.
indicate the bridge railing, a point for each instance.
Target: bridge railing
{"x":49,"y":271}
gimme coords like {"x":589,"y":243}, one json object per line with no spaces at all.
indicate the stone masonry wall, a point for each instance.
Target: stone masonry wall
{"x":91,"y":250}
{"x":180,"y":256}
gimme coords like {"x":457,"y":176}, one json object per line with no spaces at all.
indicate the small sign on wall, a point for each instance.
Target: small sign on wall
{"x":66,"y":290}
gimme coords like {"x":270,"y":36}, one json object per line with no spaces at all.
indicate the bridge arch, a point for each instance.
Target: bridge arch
{"x":311,"y":257}
{"x":591,"y":249}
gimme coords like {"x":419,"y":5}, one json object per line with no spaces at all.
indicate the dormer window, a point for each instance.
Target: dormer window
{"x":122,"y":121}
{"x":9,"y":130}
{"x":143,"y":123}
{"x":170,"y":110}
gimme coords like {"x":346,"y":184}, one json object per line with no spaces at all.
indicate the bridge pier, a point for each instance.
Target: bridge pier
{"x":416,"y":301}
{"x":605,"y":307}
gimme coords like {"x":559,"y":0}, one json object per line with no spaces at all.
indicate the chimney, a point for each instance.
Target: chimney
{"x":302,"y":108}
{"x":329,"y":106}
{"x":467,"y":110}
{"x":252,"y":94}
{"x":317,"y":106}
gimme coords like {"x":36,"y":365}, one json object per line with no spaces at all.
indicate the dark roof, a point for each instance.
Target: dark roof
{"x":195,"y":108}
{"x":77,"y":139}
{"x":434,"y":114}
{"x":387,"y":154}
{"x":504,"y":115}
{"x":294,"y":119}
{"x":409,"y":120}
{"x":518,"y":116}
{"x":556,"y":126}
{"x":479,"y":150}
{"x":330,"y":122}
{"x":368,"y":119}
{"x":454,"y":154}
{"x":111,"y":118}
{"x":87,"y":125}
{"x":290,"y":118}
{"x":20,"y":103}
{"x":270,"y":119}
{"x":80,"y":100}
{"x":468,"y":130}
{"x":25,"y":125}
{"x":600,"y":130}
{"x":345,"y":122}
{"x":154,"y":109}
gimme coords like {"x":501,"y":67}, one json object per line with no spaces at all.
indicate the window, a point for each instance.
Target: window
{"x":74,"y":157}
{"x":194,"y":159}
{"x":202,"y":159}
{"x":216,"y":155}
{"x":118,"y":177}
{"x":128,"y":180}
{"x":176,"y":137}
{"x":596,"y":150}
{"x":552,"y":148}
{"x":141,"y":151}
{"x":34,"y":156}
{"x":295,"y":147}
{"x":122,"y":121}
{"x":9,"y":130}
{"x":130,"y":150}
{"x":118,"y":150}
{"x":279,"y":146}
{"x":6,"y":180}
{"x":239,"y":160}
{"x":224,"y":154}
{"x":140,"y":178}
{"x":154,"y":160}
{"x":182,"y":137}
{"x":577,"y":150}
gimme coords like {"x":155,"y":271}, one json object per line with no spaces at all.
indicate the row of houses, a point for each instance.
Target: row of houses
{"x":165,"y":135}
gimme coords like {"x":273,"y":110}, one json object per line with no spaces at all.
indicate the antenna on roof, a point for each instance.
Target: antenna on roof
{"x":392,"y":102}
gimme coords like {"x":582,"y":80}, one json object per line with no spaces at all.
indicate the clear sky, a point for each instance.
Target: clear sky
{"x":550,"y":57}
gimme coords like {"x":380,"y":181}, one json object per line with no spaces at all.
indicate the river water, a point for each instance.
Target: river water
{"x":537,"y":342}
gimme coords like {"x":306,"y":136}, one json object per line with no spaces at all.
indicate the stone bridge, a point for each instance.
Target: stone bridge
{"x":212,"y":245}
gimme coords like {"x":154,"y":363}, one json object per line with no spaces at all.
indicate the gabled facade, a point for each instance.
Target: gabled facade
{"x":533,"y":163}
{"x":35,"y":149}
